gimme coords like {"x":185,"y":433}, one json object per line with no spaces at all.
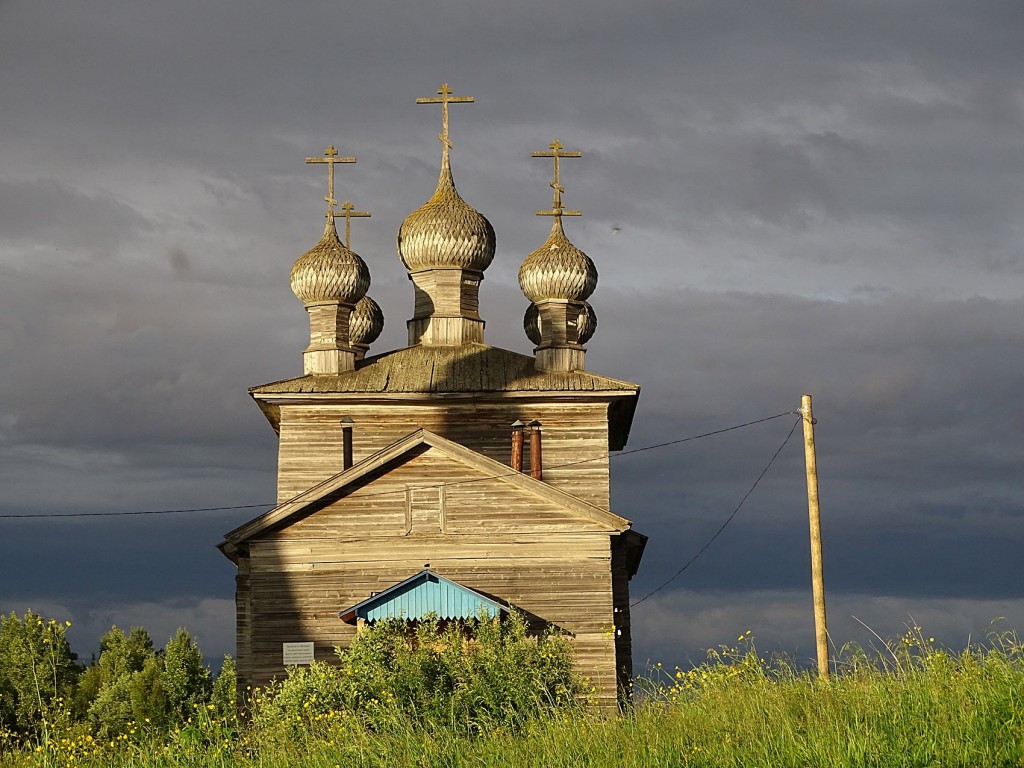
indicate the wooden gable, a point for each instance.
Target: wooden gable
{"x":425,"y":484}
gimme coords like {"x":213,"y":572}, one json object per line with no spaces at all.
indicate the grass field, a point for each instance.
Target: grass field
{"x":906,"y":703}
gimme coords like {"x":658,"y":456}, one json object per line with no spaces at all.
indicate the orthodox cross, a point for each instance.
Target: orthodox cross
{"x":330,"y":157}
{"x":349,"y":212}
{"x":556,"y":206}
{"x":444,"y":99}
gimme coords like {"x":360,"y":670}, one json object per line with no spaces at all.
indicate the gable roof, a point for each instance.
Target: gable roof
{"x":424,"y":593}
{"x":280,"y":515}
{"x":470,"y":368}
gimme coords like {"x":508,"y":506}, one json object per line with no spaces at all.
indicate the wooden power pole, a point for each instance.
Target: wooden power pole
{"x":817,"y":579}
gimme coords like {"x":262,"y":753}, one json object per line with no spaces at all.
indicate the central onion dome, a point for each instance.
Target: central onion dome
{"x":557,"y":270}
{"x":330,"y":272}
{"x":446,"y":232}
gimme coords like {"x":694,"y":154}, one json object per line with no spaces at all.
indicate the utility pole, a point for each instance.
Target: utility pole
{"x":817,"y":579}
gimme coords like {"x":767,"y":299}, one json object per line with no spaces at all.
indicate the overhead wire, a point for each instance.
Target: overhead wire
{"x":728,"y":520}
{"x":125,"y":513}
{"x":511,"y":473}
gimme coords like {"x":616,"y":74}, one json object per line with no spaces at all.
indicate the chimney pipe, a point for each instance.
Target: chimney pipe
{"x":346,"y":442}
{"x":517,"y":445}
{"x":535,"y":458}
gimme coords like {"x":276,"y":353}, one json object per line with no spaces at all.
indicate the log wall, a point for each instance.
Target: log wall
{"x":575,"y":438}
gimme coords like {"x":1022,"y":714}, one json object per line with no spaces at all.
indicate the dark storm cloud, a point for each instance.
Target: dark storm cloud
{"x":93,"y":362}
{"x":40,"y":212}
{"x":711,"y":121}
{"x":919,"y":439}
{"x":779,"y":199}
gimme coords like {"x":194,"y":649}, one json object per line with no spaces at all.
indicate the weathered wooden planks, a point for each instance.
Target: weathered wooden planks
{"x":552,"y":549}
{"x":575,"y":439}
{"x":299,"y":579}
{"x":562,"y":567}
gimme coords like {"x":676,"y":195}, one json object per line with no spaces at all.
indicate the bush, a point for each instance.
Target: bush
{"x":476,"y":676}
{"x":185,"y":679}
{"x":133,"y":686}
{"x":225,"y":706}
{"x":121,"y":682}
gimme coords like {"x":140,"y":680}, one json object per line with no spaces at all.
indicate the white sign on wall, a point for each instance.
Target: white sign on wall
{"x":297,"y":654}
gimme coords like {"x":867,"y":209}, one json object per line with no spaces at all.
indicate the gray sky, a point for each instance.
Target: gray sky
{"x":780,"y":198}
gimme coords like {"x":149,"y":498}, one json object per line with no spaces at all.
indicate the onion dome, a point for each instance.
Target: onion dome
{"x":586,"y":323}
{"x":366,"y":322}
{"x":531,"y":324}
{"x":329,"y":271}
{"x":557,"y":270}
{"x":446,"y":232}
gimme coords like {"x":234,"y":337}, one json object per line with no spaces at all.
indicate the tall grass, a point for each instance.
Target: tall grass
{"x":906,"y":703}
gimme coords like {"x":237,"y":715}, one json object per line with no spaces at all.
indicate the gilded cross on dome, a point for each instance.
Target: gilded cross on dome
{"x":349,"y":212}
{"x":557,"y":152}
{"x":331,"y":158}
{"x":444,"y":99}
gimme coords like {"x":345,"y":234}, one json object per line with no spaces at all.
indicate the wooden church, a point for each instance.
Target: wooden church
{"x":448,"y":476}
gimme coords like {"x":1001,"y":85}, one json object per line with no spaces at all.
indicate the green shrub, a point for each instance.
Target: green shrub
{"x":133,"y":687}
{"x":475,"y":676}
{"x":118,"y":699}
{"x":185,"y":679}
{"x":225,"y":705}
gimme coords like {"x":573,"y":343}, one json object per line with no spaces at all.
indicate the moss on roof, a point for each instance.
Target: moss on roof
{"x":466,"y":368}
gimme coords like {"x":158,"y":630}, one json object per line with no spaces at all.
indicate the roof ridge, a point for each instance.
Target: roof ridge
{"x":429,"y":369}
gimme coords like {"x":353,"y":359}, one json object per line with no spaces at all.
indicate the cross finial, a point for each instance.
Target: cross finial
{"x":330,"y":157}
{"x":349,"y":212}
{"x":556,"y":205}
{"x":445,"y":98}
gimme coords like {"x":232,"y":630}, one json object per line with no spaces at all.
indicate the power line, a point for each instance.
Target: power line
{"x":511,"y":473}
{"x":705,"y":434}
{"x":728,"y":520}
{"x":127,"y":513}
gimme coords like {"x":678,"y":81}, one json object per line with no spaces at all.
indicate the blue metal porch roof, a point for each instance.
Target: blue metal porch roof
{"x":425,"y":593}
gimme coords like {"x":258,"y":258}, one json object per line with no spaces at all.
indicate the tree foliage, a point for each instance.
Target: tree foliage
{"x":131,"y":691}
{"x":37,"y":668}
{"x":223,"y":697}
{"x":117,"y":698}
{"x":134,"y":685}
{"x":186,"y":680}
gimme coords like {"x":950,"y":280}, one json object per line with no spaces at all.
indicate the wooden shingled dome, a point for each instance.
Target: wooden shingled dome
{"x":329,"y":271}
{"x":557,"y":270}
{"x":446,"y":231}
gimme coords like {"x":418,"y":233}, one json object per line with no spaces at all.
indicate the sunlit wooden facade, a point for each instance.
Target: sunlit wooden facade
{"x":487,"y":466}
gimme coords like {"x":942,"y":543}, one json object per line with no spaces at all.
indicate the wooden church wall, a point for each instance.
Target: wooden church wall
{"x":429,"y":492}
{"x":574,"y":445}
{"x":555,"y":566}
{"x":296,"y":597}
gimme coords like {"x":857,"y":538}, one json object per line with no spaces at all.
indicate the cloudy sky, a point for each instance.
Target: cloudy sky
{"x":780,"y":197}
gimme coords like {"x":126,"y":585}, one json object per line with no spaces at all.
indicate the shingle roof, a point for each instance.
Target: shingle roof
{"x":467,"y":368}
